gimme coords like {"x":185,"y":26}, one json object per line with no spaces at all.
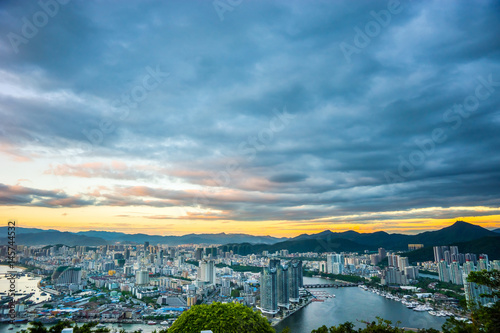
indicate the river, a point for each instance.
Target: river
{"x":355,"y":305}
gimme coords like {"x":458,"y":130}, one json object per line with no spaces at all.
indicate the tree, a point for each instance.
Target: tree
{"x":221,"y":318}
{"x":380,"y":326}
{"x":37,"y":327}
{"x":483,"y":319}
{"x":490,"y":279}
{"x":346,"y":327}
{"x":57,"y":328}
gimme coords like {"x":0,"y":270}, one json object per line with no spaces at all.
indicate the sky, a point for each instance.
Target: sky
{"x":259,"y":117}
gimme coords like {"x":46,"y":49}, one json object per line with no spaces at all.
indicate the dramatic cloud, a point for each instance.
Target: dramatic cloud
{"x":25,"y":196}
{"x":330,"y":112}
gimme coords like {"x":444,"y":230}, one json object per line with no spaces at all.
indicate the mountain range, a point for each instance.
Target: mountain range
{"x":326,"y":241}
{"x":33,"y":236}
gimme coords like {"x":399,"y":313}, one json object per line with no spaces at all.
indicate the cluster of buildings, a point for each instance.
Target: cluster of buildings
{"x":398,"y":271}
{"x":455,"y":267}
{"x":279,"y":285}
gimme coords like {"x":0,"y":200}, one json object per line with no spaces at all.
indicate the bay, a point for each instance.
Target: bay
{"x":357,"y":306}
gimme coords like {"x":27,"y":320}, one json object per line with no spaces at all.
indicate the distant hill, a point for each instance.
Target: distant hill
{"x":53,"y":237}
{"x":32,"y":236}
{"x":328,"y":241}
{"x":496,"y":230}
{"x":220,"y":238}
{"x":488,"y":245}
{"x":458,"y":232}
{"x":317,"y":244}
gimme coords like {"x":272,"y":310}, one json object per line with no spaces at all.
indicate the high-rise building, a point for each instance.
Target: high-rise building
{"x":126,"y":254}
{"x":283,"y":286}
{"x":471,"y":257}
{"x":455,"y":255}
{"x":403,"y":262}
{"x":483,"y":263}
{"x":411,"y":272}
{"x":141,"y":277}
{"x":295,"y":277}
{"x":108,"y":266}
{"x":335,"y":263}
{"x":444,"y":271}
{"x":206,"y":271}
{"x":438,"y":254}
{"x":381,"y":253}
{"x":226,"y":287}
{"x":146,"y":245}
{"x":472,"y":290}
{"x":456,"y":273}
{"x":274,"y":263}
{"x":392,"y":275}
{"x":127,"y":270}
{"x":374,"y":259}
{"x":198,"y":254}
{"x":269,"y":291}
{"x":447,"y":256}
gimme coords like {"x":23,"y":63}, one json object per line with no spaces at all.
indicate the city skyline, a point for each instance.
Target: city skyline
{"x":259,"y":118}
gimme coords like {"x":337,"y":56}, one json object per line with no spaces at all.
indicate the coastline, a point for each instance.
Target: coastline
{"x":276,"y":322}
{"x":15,"y":266}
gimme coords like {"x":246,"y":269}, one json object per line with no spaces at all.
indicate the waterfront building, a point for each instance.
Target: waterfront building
{"x":269,"y":291}
{"x":283,"y":286}
{"x":296,"y":280}
{"x":393,"y":276}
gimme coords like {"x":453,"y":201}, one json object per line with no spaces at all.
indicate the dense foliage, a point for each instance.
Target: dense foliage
{"x":340,"y":277}
{"x":381,"y":326}
{"x":221,"y":318}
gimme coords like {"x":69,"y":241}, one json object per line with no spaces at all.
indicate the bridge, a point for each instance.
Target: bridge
{"x":326,"y":285}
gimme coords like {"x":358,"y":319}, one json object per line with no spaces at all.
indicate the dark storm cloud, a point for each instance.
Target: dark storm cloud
{"x":288,"y":178}
{"x":355,"y":120}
